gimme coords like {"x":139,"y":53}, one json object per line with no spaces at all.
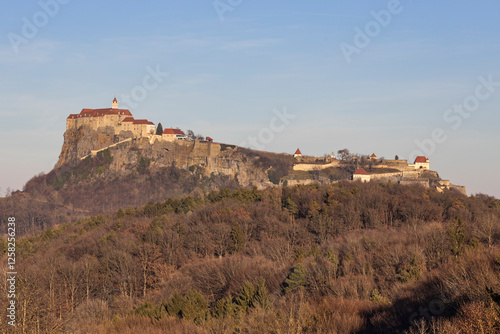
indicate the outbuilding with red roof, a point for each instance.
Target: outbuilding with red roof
{"x":422,"y":162}
{"x":361,"y":175}
{"x":174,"y":134}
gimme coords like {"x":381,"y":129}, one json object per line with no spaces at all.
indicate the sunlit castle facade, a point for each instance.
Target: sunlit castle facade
{"x":119,"y":119}
{"x":422,"y":162}
{"x":361,"y":175}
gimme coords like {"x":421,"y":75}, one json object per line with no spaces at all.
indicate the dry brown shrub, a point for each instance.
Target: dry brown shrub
{"x":259,"y":321}
{"x":216,"y":278}
{"x":121,"y":305}
{"x":467,"y":277}
{"x":354,"y":287}
{"x":139,"y":325}
{"x":293,"y":313}
{"x":444,"y":326}
{"x":277,"y":250}
{"x":224,"y":325}
{"x":88,"y":317}
{"x":478,"y":317}
{"x":338,"y":315}
{"x":473,"y":318}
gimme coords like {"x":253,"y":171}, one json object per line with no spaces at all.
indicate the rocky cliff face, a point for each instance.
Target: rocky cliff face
{"x":128,"y":156}
{"x":78,"y":143}
{"x":204,"y":157}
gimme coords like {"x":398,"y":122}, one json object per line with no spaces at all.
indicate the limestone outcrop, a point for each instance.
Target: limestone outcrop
{"x":79,"y":143}
{"x":203,"y":156}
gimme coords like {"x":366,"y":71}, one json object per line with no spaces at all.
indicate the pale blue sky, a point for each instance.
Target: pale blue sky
{"x":227,"y":76}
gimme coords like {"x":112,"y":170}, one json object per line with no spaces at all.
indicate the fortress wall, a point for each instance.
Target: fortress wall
{"x":312,"y":167}
{"x":424,"y":183}
{"x":412,"y":174}
{"x":445,"y":183}
{"x":396,"y":164}
{"x":394,"y":177}
{"x":460,"y":189}
{"x":399,"y":163}
{"x":314,"y":160}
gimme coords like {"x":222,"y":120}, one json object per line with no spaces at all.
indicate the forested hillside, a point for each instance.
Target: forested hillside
{"x":342,"y":258}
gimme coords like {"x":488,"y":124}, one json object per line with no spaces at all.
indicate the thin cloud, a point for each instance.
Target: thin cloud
{"x":249,"y":44}
{"x":37,"y":51}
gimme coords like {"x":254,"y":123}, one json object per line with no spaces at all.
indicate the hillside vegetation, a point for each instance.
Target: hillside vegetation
{"x":90,"y":188}
{"x":342,"y":258}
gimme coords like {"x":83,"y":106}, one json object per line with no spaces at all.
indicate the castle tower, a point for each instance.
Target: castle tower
{"x":115,"y":104}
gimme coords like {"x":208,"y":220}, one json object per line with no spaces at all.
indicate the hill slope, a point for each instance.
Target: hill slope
{"x":125,"y":171}
{"x":100,"y":172}
{"x":342,"y":258}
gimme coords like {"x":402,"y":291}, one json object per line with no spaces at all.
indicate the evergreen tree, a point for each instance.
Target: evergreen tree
{"x":332,"y":257}
{"x":225,"y":308}
{"x":195,"y":307}
{"x":296,"y":278}
{"x":237,"y":238}
{"x":457,"y":231}
{"x":245,"y":297}
{"x":175,"y":305}
{"x":261,"y":296}
{"x":159,"y":129}
{"x":291,"y":206}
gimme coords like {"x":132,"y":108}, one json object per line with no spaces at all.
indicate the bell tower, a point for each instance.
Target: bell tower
{"x":115,"y":104}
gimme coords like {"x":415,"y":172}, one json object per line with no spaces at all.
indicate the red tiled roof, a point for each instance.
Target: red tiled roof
{"x":373,"y":155}
{"x":209,"y":139}
{"x":72,"y":116}
{"x":142,"y":121}
{"x":421,"y":159}
{"x":128,"y":119}
{"x":361,"y":171}
{"x":173,"y":132}
{"x":102,"y":112}
{"x":298,"y":152}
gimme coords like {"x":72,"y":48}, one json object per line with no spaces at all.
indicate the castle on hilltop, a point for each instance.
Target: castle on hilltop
{"x":121,"y":120}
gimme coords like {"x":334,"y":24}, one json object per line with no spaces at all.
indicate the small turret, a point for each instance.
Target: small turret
{"x":115,"y":104}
